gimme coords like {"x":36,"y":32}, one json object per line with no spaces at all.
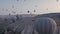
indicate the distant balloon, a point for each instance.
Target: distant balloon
{"x":13,"y":6}
{"x":24,"y":0}
{"x":13,"y":12}
{"x":9,"y":14}
{"x":57,"y":0}
{"x":28,"y":11}
{"x":35,"y":5}
{"x":6,"y":9}
{"x":17,"y":0}
{"x":2,"y":9}
{"x":47,"y":9}
{"x":34,"y":11}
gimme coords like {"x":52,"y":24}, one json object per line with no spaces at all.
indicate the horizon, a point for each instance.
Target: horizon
{"x":22,"y":6}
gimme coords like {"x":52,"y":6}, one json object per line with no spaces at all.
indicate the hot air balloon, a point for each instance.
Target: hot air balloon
{"x":28,"y":11}
{"x":45,"y":25}
{"x":47,"y":9}
{"x":13,"y":12}
{"x":9,"y":14}
{"x":17,"y":0}
{"x":57,"y":0}
{"x":34,"y":11}
{"x":6,"y":9}
{"x":12,"y":6}
{"x":2,"y":9}
{"x":35,"y":5}
{"x":24,"y":0}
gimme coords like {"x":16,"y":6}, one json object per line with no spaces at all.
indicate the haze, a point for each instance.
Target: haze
{"x":22,"y":6}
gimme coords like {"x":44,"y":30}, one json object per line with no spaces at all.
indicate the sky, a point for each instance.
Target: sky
{"x":22,"y":6}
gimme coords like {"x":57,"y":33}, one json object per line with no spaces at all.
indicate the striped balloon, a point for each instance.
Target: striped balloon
{"x":45,"y":25}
